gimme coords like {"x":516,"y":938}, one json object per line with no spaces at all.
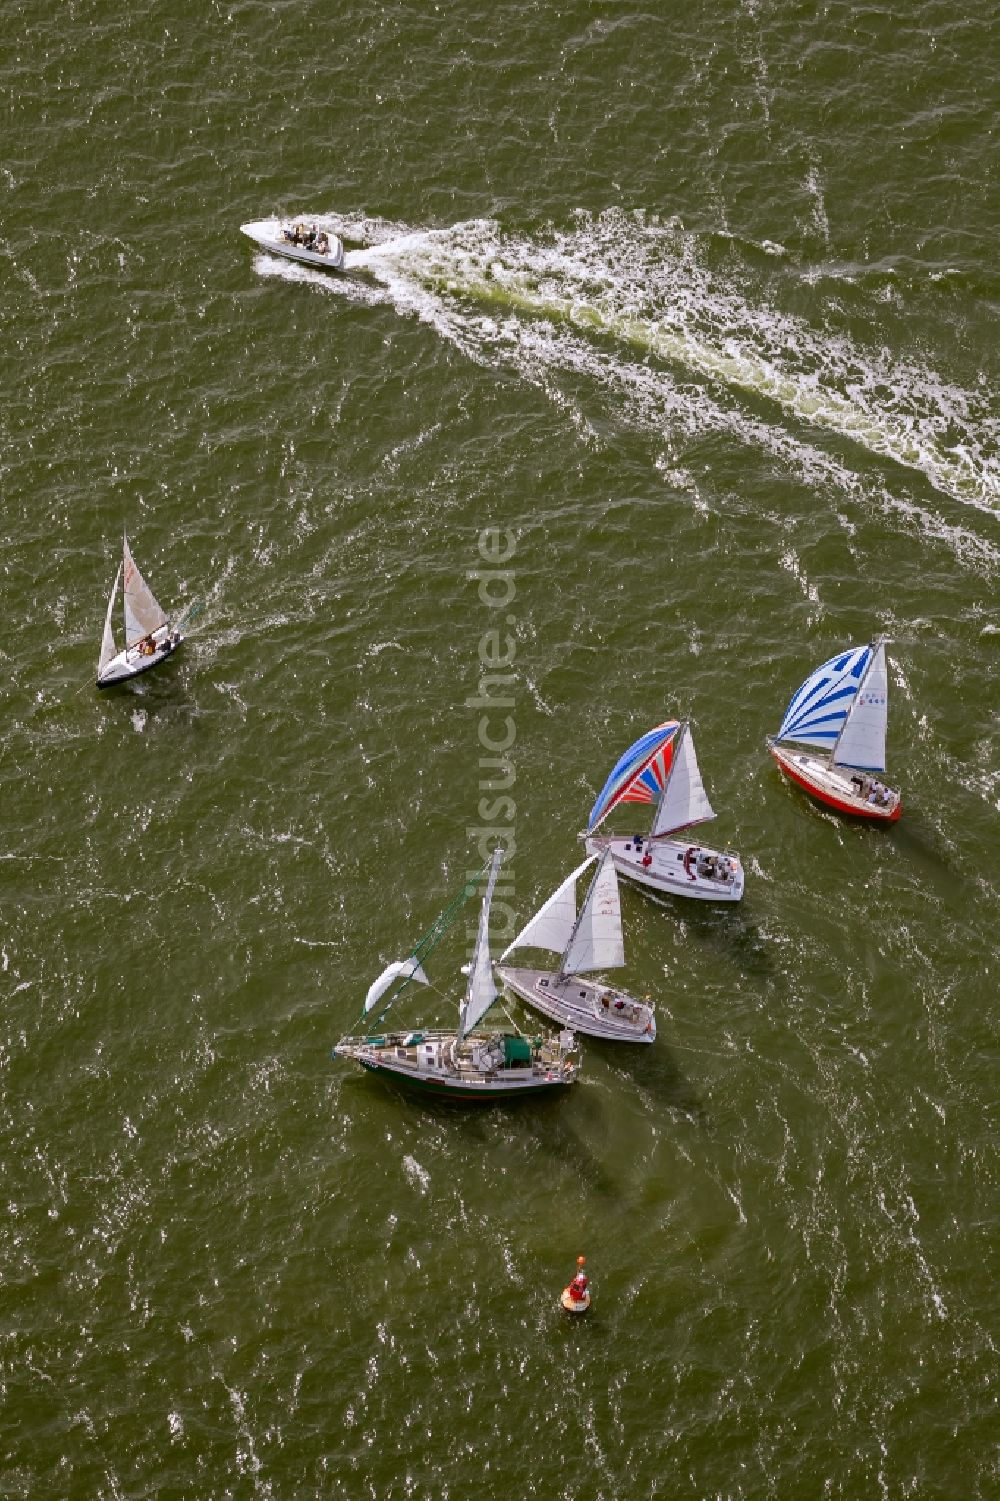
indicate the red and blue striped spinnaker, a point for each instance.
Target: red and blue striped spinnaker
{"x":639,"y":776}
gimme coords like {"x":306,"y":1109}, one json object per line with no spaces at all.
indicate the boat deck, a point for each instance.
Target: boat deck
{"x":593,"y":1009}
{"x":481,"y":1066}
{"x":666,"y":865}
{"x":836,"y":787}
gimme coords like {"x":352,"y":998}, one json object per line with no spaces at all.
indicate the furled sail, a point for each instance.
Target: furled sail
{"x":552,"y":925}
{"x":108,"y":648}
{"x":819,"y":710}
{"x":640,"y":775}
{"x":400,"y":968}
{"x":862,"y":740}
{"x":481,"y":990}
{"x":597,"y":938}
{"x":143,"y":614}
{"x":684,"y":799}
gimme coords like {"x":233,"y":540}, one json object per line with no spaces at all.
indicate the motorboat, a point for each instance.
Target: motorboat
{"x":299,"y":240}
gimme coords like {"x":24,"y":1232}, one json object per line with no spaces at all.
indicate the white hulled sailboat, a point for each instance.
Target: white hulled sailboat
{"x":465,"y":1064}
{"x":588,"y":942}
{"x":842,"y":709}
{"x":661,"y":768}
{"x":149,"y":636}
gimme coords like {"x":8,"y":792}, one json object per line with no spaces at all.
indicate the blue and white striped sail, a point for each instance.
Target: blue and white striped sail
{"x":819,"y":711}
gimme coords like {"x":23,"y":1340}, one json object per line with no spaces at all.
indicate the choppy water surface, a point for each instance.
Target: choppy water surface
{"x":698,"y":311}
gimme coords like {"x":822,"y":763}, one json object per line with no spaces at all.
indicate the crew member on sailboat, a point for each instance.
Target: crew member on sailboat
{"x":842,"y":709}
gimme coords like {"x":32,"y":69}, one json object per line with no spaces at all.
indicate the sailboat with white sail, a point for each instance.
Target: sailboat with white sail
{"x":661,"y":769}
{"x":586,"y":942}
{"x":467,"y":1064}
{"x":149,"y":636}
{"x":841,"y":711}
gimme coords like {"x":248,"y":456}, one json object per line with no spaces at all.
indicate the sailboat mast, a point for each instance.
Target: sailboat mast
{"x":683,"y":730}
{"x":875,"y":645}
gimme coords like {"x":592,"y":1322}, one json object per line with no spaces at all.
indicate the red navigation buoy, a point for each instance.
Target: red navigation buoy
{"x":576,"y":1297}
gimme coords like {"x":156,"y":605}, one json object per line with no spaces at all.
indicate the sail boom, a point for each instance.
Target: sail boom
{"x":680,"y":827}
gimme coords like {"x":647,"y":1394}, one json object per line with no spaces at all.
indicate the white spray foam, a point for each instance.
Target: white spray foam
{"x":572,"y":303}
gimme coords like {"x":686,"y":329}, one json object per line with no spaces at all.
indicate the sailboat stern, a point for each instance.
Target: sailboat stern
{"x":859,"y":794}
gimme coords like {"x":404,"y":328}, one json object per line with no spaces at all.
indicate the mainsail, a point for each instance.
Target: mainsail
{"x":684,"y":800}
{"x":143,"y":614}
{"x":108,"y":648}
{"x":596,"y":942}
{"x":862,"y":740}
{"x":640,"y":774}
{"x":481,"y":990}
{"x":818,"y":711}
{"x":552,"y":925}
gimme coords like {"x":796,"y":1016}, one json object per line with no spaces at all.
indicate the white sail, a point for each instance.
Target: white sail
{"x":143,"y":614}
{"x":108,"y":648}
{"x":398,"y":968}
{"x":481,"y":990}
{"x":552,"y":925}
{"x":597,"y":938}
{"x":684,"y":800}
{"x":862,"y":740}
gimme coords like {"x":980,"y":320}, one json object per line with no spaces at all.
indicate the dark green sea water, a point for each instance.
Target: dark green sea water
{"x":695,"y":305}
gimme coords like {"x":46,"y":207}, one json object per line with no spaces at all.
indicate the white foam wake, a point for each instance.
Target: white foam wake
{"x":681,"y":347}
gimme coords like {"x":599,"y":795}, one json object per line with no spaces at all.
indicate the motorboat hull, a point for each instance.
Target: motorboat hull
{"x":131,"y":663}
{"x":834,"y":788}
{"x":583,"y":1005}
{"x":673,"y":869}
{"x":268,"y":234}
{"x":435,"y":1063}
